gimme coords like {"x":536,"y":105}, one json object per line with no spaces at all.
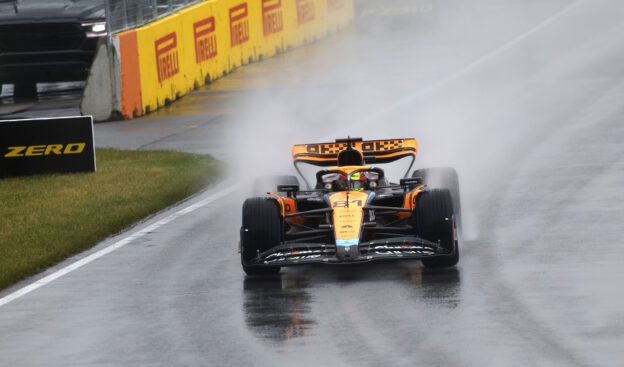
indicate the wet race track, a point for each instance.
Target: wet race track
{"x":524,"y":98}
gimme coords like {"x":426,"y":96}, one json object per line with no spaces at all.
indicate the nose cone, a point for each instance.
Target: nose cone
{"x":348,"y":215}
{"x":348,"y":253}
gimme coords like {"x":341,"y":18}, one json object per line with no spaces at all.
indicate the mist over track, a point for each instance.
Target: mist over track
{"x":524,"y":98}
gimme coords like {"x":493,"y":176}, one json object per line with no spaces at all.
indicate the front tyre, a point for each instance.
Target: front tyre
{"x":435,"y":220}
{"x":443,"y":178}
{"x":261,"y":230}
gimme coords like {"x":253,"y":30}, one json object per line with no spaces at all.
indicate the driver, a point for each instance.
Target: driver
{"x":359,"y":182}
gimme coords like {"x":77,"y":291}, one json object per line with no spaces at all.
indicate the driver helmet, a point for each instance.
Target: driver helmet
{"x":358,"y":181}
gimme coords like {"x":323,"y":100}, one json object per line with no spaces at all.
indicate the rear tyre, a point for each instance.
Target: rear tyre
{"x":435,"y":221}
{"x":261,"y":230}
{"x":262,"y":185}
{"x":443,"y":178}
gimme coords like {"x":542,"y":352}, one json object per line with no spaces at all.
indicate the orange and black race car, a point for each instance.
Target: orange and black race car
{"x":352,"y":212}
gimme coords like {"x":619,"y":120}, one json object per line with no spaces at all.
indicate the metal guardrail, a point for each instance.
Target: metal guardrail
{"x":126,"y":14}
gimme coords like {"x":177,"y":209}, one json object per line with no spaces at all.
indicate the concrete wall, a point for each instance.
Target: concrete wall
{"x":153,"y":65}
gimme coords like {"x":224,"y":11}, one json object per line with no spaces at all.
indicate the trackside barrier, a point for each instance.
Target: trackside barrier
{"x":158,"y":63}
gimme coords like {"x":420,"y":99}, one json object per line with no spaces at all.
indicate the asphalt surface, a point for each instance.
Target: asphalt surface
{"x":524,"y":98}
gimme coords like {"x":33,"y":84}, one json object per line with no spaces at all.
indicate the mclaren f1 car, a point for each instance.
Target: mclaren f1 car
{"x":352,"y":212}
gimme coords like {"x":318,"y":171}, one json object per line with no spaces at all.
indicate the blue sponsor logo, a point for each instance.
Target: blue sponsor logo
{"x":345,"y":243}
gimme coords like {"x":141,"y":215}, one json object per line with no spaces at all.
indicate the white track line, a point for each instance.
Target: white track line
{"x":115,"y":246}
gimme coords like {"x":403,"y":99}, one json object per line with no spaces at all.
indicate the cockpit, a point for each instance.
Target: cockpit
{"x":356,"y":178}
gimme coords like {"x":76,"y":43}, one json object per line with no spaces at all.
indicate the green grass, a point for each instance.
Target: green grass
{"x":46,"y":218}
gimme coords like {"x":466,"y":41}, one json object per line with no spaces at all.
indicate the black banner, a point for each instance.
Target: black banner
{"x":53,"y":145}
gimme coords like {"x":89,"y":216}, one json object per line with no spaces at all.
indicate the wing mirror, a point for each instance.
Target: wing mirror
{"x":407,"y":183}
{"x":288,"y":189}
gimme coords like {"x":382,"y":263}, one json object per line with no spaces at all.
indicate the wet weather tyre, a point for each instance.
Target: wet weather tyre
{"x":263,"y":185}
{"x":435,"y":221}
{"x":443,"y":178}
{"x":261,"y":230}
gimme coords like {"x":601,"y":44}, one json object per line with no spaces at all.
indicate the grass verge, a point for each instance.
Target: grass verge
{"x":47,"y":218}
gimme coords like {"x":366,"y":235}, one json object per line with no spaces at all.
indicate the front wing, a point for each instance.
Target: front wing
{"x":398,"y":248}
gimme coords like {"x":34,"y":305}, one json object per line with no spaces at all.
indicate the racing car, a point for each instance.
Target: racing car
{"x":352,"y":212}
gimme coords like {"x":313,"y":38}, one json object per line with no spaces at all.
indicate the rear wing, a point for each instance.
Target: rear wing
{"x":374,"y":151}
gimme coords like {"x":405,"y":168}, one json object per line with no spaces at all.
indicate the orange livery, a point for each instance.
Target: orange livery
{"x":351,"y":212}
